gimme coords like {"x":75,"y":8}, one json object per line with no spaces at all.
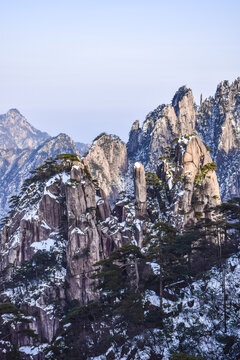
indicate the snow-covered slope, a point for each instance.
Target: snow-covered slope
{"x":200,"y":321}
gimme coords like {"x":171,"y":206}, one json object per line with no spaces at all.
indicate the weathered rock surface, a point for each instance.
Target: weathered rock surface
{"x":107,"y":159}
{"x":192,"y":185}
{"x":67,"y":222}
{"x":160,"y":127}
{"x":63,"y":225}
{"x":216,"y":121}
{"x":140,"y":189}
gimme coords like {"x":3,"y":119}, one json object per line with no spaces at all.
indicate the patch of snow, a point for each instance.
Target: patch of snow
{"x":45,"y":225}
{"x":29,"y":350}
{"x":67,"y":325}
{"x":155,"y":267}
{"x":170,"y":183}
{"x":78,"y":231}
{"x":47,"y":192}
{"x":65,"y":177}
{"x":137,"y":165}
{"x":43,"y":245}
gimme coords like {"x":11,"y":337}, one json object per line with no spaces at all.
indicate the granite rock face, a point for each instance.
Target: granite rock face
{"x":65,"y":225}
{"x":161,"y":126}
{"x":216,"y":121}
{"x":192,"y":187}
{"x":140,"y":189}
{"x":107,"y":160}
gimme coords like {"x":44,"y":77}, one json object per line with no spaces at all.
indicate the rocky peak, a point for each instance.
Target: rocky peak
{"x":184,"y":106}
{"x":218,"y":123}
{"x":161,"y":126}
{"x":82,"y":148}
{"x":16,"y":132}
{"x":13,"y":112}
{"x":59,"y":144}
{"x":132,"y":144}
{"x":223,"y":89}
{"x":192,"y":185}
{"x":107,"y":159}
{"x":179,"y":96}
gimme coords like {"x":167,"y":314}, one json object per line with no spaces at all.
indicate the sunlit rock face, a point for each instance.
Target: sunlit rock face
{"x":107,"y":159}
{"x":216,"y":121}
{"x":161,"y":126}
{"x":140,"y":189}
{"x":191,"y":189}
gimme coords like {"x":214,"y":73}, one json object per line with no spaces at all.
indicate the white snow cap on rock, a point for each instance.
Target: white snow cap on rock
{"x":137,"y":165}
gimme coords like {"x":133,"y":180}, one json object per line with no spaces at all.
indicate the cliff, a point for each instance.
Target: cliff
{"x":216,"y":121}
{"x":191,"y":189}
{"x":61,"y":225}
{"x":107,"y":159}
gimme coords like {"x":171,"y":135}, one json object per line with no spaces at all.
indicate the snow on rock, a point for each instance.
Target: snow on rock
{"x":29,"y":350}
{"x":137,"y":165}
{"x":155,"y":267}
{"x":46,"y":245}
{"x":151,"y":296}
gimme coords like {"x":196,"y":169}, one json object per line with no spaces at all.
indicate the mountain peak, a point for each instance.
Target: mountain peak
{"x":18,"y":133}
{"x":14,"y":111}
{"x":179,"y":95}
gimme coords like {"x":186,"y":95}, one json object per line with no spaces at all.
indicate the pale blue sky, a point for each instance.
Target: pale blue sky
{"x":83,"y":67}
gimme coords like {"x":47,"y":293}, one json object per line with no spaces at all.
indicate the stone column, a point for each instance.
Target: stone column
{"x":140,"y":189}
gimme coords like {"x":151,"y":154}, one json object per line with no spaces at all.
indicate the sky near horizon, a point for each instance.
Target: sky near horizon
{"x":85,"y":67}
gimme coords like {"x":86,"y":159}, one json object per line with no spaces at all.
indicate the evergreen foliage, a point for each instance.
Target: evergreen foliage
{"x":11,"y":317}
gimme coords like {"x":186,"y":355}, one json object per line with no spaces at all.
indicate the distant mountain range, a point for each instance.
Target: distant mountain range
{"x":22,"y":149}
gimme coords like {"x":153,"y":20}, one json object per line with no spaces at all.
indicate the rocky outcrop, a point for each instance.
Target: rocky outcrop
{"x":201,"y":191}
{"x":63,"y":224}
{"x":107,"y":159}
{"x":218,"y":122}
{"x":84,"y":240}
{"x":185,"y":109}
{"x":132,"y":146}
{"x":60,"y":228}
{"x":140,"y":190}
{"x":161,"y":126}
{"x":192,"y":185}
